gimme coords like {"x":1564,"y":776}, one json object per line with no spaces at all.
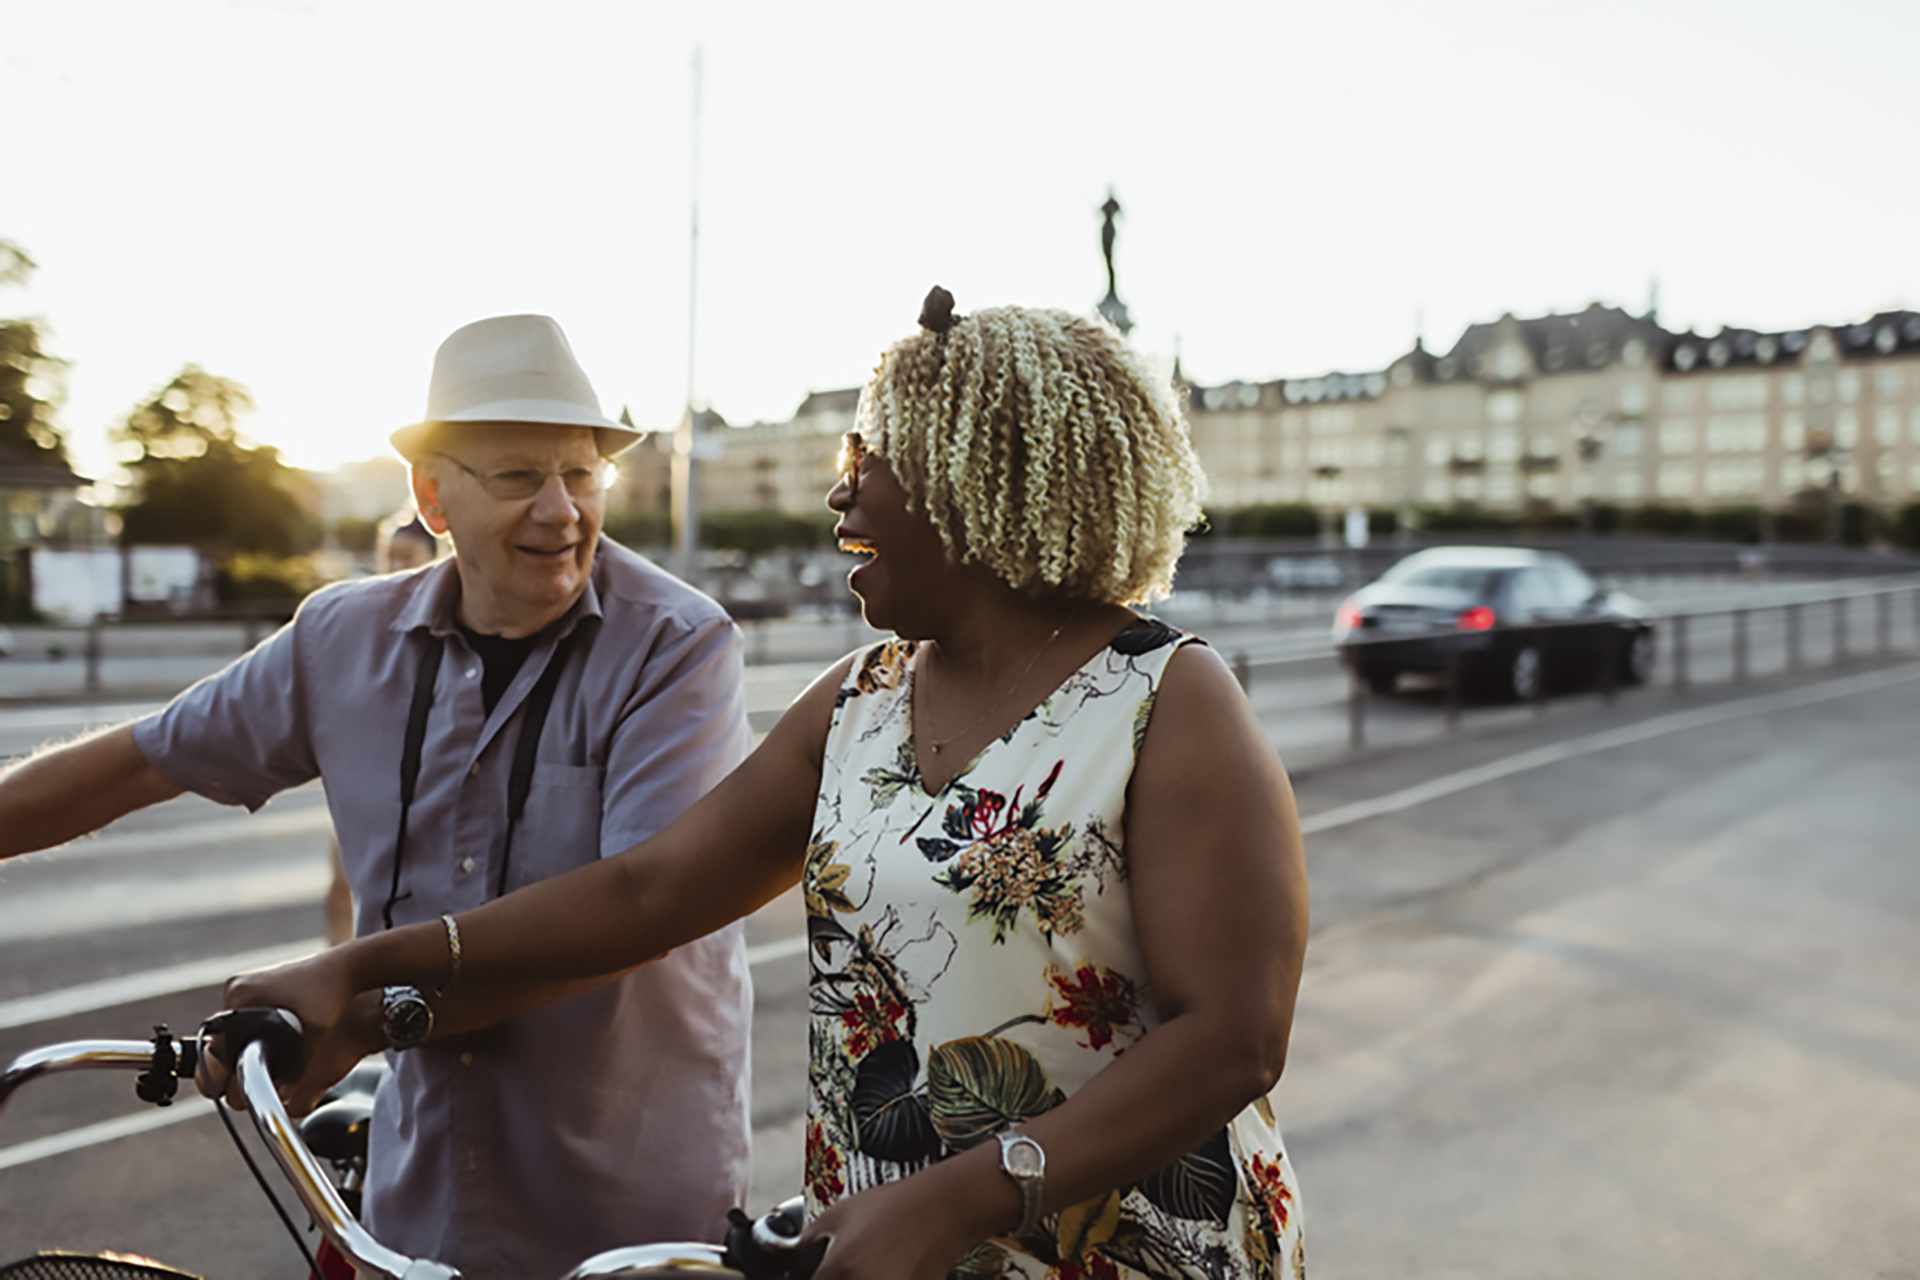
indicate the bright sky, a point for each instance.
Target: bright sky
{"x":308,"y":196}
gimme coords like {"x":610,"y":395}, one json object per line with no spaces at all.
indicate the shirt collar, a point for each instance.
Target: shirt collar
{"x":438,"y":593}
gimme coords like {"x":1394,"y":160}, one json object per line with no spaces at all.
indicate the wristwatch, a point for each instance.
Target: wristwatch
{"x":405,"y":1018}
{"x":1023,"y":1160}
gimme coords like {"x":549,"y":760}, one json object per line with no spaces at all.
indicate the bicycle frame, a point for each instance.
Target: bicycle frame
{"x":167,"y":1060}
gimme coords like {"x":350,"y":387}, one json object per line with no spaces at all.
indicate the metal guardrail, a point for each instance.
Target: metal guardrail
{"x":1680,"y":625}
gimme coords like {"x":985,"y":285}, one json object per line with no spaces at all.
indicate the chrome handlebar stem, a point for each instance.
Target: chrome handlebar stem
{"x":310,"y":1184}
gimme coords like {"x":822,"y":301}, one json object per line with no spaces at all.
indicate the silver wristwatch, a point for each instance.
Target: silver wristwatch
{"x":1023,"y":1160}
{"x":405,"y":1017}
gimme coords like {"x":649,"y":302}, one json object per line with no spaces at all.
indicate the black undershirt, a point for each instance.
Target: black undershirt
{"x":501,"y":660}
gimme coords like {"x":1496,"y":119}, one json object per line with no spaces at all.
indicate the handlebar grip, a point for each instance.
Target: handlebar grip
{"x":277,"y":1031}
{"x":767,"y":1248}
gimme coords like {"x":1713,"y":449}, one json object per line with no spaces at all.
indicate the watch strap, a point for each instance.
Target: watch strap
{"x":1025,"y":1161}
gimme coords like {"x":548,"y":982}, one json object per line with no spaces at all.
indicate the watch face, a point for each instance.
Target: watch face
{"x":407,"y":1019}
{"x":1024,"y":1159}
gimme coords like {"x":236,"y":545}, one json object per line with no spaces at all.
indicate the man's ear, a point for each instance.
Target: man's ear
{"x":426,"y":497}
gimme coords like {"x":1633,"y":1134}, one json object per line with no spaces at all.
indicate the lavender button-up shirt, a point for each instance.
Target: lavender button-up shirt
{"x":615,"y":1118}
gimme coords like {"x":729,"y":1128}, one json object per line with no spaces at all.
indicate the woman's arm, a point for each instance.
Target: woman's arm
{"x":737,"y":848}
{"x":1217,"y":880}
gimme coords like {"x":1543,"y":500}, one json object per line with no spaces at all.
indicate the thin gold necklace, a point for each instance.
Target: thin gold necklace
{"x":934,"y":744}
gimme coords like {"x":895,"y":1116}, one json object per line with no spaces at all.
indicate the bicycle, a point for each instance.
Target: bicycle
{"x":265,"y":1044}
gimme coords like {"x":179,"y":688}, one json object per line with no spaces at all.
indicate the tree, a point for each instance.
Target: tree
{"x":199,"y":483}
{"x":30,"y":379}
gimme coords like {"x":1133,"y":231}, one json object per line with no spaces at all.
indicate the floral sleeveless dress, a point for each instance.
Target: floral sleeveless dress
{"x":974,"y":962}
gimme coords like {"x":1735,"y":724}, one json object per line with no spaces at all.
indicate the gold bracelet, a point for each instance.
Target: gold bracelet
{"x":453,"y":954}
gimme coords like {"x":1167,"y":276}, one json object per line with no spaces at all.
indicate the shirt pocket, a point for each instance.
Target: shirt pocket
{"x":561,"y":827}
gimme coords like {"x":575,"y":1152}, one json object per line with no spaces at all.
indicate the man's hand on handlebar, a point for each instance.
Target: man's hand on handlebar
{"x":339,"y":1028}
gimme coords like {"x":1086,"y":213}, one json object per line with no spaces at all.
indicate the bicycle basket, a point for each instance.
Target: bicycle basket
{"x":90,"y":1266}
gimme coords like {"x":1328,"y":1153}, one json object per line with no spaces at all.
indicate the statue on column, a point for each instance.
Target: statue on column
{"x":1114,"y":310}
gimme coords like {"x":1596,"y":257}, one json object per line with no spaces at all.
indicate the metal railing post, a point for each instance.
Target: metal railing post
{"x":93,"y":654}
{"x":1679,"y":653}
{"x":1539,"y":697}
{"x":1793,"y":639}
{"x":1883,"y":622}
{"x":1356,"y":709}
{"x":1453,"y":682}
{"x":1839,"y":628}
{"x":1242,"y":671}
{"x":1739,"y":646}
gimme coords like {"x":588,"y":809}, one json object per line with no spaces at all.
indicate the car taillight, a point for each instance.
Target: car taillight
{"x":1345,"y":619}
{"x":1478,"y":618}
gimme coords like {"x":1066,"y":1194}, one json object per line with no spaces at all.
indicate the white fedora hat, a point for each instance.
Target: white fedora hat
{"x":510,"y":369}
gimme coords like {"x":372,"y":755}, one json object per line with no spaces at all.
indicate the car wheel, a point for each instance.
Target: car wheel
{"x":1637,"y":655}
{"x":1523,"y":674}
{"x":1382,"y":682}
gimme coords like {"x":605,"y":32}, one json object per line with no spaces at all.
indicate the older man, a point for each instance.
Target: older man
{"x":541,"y":699}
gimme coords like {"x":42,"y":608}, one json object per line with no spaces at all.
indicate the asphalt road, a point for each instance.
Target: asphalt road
{"x":1575,"y":1003}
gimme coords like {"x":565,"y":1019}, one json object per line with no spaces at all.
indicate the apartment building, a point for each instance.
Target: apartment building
{"x":1544,"y":412}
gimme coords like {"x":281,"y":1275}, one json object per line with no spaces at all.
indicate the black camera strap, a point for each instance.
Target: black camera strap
{"x":533,"y":722}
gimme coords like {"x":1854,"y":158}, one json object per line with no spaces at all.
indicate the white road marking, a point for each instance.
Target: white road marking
{"x":169,"y":981}
{"x":1344,"y":815}
{"x":1540,"y":757}
{"x":172,"y":980}
{"x":92,"y":1135}
{"x":778,"y":949}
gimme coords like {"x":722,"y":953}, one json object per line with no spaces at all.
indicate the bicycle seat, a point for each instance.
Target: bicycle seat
{"x":338,"y":1128}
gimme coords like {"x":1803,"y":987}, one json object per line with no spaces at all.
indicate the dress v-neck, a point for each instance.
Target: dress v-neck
{"x":998,"y":739}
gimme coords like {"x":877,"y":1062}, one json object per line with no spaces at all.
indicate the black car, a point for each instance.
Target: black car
{"x":1512,"y":619}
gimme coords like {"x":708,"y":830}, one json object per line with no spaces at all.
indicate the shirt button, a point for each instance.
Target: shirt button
{"x":466,"y":864}
{"x":473,"y":770}
{"x":466,"y":1059}
{"x":472,"y":672}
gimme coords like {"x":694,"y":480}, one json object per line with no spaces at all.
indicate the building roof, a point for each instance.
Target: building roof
{"x":20,"y":469}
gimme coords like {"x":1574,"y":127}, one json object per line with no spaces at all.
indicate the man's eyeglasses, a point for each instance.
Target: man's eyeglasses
{"x":519,"y":483}
{"x":852,"y":451}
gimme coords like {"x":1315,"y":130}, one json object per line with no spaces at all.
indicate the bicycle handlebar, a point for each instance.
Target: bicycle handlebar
{"x":267,"y":1042}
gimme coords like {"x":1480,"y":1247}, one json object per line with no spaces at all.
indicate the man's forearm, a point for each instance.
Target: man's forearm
{"x":56,"y":795}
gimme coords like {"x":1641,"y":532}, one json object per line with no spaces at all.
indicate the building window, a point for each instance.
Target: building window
{"x":1734,"y":477}
{"x":1889,"y":383}
{"x":1626,"y":486}
{"x":1467,"y":488}
{"x":1501,"y":487}
{"x":1793,"y":432}
{"x":1676,"y":436}
{"x":1739,"y":391}
{"x":1736,"y":433}
{"x":1793,"y":388}
{"x":1546,"y":445}
{"x":1439,"y":451}
{"x":1435,"y":491}
{"x":1886,"y":425}
{"x":1503,"y":444}
{"x":1540,"y":486}
{"x":1676,"y":481}
{"x":1506,"y":406}
{"x":1846,"y":428}
{"x":1676,"y":397}
{"x":1626,"y":442}
{"x":1849,"y":385}
{"x":1633,"y":399}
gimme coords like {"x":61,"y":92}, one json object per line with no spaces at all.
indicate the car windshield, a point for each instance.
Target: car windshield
{"x":1465,"y":579}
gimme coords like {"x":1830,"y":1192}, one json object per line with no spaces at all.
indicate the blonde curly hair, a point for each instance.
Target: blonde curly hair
{"x":1039,"y":447}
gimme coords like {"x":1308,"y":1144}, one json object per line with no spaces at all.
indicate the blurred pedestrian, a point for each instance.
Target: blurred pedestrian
{"x":539,"y":700}
{"x":1056,"y":899}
